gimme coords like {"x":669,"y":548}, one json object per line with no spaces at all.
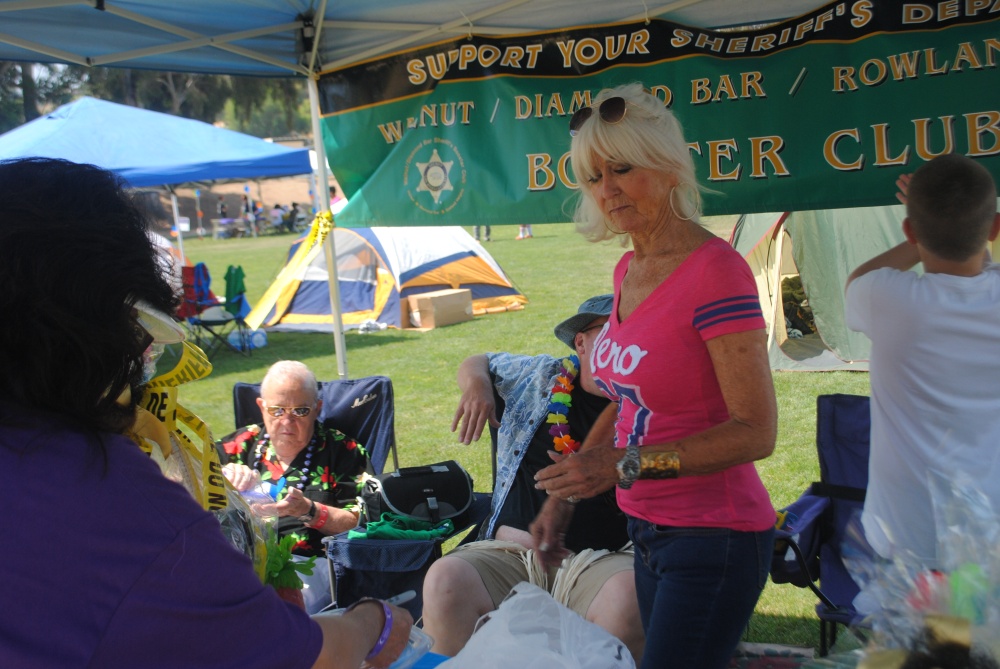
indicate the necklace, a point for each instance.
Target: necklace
{"x":265,"y":454}
{"x":560,"y":402}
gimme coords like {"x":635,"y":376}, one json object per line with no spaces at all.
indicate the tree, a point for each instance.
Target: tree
{"x":268,"y":107}
{"x":27,"y":90}
{"x":197,"y":96}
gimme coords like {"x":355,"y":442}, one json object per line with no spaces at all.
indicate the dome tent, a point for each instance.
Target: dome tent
{"x":378,"y":268}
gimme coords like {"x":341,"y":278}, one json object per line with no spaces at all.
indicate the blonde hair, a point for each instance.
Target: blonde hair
{"x":648,"y":136}
{"x":290,"y":369}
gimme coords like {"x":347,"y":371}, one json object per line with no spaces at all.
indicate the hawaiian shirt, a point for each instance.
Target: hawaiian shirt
{"x":331,"y":478}
{"x":524,"y":382}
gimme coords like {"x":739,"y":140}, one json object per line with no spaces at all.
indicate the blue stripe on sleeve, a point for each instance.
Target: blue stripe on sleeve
{"x":728,"y":309}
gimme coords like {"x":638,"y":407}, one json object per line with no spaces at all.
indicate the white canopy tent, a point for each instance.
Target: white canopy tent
{"x":302,"y":37}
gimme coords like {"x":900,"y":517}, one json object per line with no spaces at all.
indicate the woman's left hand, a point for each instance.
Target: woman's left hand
{"x":585,"y":474}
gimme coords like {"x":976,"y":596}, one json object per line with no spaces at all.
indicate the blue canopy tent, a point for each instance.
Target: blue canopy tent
{"x":147,"y":148}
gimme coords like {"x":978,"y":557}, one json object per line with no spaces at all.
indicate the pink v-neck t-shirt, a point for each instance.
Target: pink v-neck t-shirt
{"x":657,"y":367}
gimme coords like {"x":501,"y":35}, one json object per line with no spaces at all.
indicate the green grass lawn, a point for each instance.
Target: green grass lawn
{"x":556,"y":270}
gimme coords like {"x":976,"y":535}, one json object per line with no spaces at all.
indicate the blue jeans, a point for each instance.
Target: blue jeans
{"x":697,"y":587}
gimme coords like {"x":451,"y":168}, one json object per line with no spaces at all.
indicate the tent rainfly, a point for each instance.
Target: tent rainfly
{"x":822,"y":248}
{"x":378,"y":268}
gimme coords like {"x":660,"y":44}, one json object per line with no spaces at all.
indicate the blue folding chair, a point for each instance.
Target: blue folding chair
{"x":361,"y":408}
{"x":812,"y":530}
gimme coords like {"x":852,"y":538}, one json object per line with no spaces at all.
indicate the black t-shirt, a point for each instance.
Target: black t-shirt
{"x":597,"y":522}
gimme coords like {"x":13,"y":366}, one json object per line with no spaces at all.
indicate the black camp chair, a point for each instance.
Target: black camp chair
{"x":811,"y":532}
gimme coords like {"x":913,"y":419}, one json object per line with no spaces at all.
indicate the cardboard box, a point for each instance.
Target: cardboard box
{"x":440,"y":308}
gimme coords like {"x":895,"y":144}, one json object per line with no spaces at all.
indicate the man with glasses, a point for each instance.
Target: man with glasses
{"x":311,"y":470}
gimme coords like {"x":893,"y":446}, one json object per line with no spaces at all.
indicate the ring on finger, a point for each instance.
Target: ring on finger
{"x":572,"y":499}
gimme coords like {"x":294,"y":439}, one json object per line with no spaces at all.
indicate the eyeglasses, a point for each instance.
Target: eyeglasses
{"x":592,"y":327}
{"x":611,"y":111}
{"x":298,"y":412}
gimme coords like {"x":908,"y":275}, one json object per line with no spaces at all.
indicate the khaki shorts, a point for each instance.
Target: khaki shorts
{"x":503,"y":564}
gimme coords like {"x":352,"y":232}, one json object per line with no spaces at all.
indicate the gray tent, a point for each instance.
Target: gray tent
{"x":822,"y":248}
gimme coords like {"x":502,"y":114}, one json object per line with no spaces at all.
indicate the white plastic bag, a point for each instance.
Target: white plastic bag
{"x":530,"y":630}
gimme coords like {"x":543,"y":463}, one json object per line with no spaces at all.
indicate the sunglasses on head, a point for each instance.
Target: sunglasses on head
{"x":611,"y":110}
{"x":298,"y":412}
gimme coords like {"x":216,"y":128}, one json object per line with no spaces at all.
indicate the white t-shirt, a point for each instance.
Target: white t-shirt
{"x":935,"y":377}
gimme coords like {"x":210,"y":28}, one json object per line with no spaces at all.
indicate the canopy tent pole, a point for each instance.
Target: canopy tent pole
{"x":177,"y":224}
{"x":329,"y":248}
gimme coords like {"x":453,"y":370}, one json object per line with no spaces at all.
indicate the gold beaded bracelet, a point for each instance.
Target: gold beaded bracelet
{"x":665,"y":465}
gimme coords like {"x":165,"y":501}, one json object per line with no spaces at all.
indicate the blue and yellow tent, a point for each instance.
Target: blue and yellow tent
{"x":378,"y":268}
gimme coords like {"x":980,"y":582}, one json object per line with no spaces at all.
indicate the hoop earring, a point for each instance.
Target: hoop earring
{"x":610,"y":229}
{"x":697,"y":202}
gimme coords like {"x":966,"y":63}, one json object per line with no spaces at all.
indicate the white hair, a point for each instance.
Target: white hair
{"x":294,"y":370}
{"x":648,"y":136}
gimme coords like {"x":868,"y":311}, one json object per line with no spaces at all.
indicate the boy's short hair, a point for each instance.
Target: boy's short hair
{"x":951,"y":204}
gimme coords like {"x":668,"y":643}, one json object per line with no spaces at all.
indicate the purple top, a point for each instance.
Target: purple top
{"x":137,"y":574}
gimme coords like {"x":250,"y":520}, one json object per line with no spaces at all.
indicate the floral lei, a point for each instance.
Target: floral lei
{"x":560,"y":402}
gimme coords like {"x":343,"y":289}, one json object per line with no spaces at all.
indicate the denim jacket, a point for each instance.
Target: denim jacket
{"x":524,"y":382}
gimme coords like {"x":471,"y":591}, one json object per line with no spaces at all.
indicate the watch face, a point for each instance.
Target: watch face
{"x":630,"y":468}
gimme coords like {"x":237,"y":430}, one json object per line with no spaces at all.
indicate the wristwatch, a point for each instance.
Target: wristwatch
{"x":310,"y":515}
{"x":628,"y":467}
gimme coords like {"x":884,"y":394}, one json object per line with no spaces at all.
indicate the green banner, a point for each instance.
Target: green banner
{"x":821,"y":111}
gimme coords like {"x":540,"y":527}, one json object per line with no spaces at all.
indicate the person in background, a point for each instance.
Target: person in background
{"x":337,"y":201}
{"x":524,"y":392}
{"x":292,"y":217}
{"x":524,"y":232}
{"x":476,"y":232}
{"x":150,"y":580}
{"x":934,"y":368}
{"x":683,"y":358}
{"x":247,"y":211}
{"x":277,"y":216}
{"x":220,"y":208}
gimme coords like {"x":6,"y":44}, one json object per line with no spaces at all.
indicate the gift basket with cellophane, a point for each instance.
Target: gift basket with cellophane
{"x":943,"y":615}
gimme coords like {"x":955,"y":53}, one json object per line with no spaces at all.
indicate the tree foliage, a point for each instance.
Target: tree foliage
{"x":262,"y":107}
{"x":28,"y":90}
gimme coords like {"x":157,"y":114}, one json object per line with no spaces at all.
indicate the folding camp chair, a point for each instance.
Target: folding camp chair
{"x":362,"y":408}
{"x":811,"y":532}
{"x":209,"y":320}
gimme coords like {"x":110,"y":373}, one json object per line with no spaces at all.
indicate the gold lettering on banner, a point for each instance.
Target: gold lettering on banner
{"x":982,"y":126}
{"x":982,"y":135}
{"x":590,"y":51}
{"x":913,"y":64}
{"x":922,"y":139}
{"x":436,"y":65}
{"x":766,"y":150}
{"x":541,"y":176}
{"x":830,"y":151}
{"x":750,"y":86}
{"x":919,"y":12}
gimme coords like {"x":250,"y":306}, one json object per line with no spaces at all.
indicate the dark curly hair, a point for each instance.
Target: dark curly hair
{"x":74,"y":258}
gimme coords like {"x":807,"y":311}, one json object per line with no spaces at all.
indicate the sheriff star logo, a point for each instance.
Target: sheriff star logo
{"x":434,"y":176}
